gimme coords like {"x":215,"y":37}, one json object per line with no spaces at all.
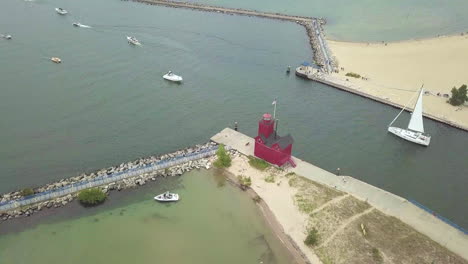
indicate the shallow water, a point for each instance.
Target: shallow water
{"x":107,"y":102}
{"x":371,"y":20}
{"x":212,"y":223}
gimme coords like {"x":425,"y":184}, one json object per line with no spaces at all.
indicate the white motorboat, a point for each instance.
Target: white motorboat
{"x":415,"y":131}
{"x":5,"y":36}
{"x":167,"y":197}
{"x":172,"y":77}
{"x":61,"y":11}
{"x":77,"y":24}
{"x":133,"y":41}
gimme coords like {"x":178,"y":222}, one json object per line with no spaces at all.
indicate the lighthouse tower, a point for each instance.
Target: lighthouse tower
{"x":271,"y":147}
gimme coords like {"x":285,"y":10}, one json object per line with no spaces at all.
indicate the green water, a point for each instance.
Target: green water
{"x":371,"y":20}
{"x":107,"y":102}
{"x":210,"y":224}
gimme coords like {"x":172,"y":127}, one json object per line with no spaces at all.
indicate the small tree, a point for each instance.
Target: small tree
{"x":92,"y":196}
{"x":459,"y":96}
{"x":244,"y":181}
{"x":224,"y":160}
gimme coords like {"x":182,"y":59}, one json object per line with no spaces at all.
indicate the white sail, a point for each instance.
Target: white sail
{"x":416,"y":121}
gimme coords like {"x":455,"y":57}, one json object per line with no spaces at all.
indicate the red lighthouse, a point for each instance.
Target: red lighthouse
{"x":271,"y":147}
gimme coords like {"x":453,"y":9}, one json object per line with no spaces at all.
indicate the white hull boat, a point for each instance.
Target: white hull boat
{"x":61,"y":11}
{"x":133,"y":40}
{"x":172,"y":77}
{"x":167,"y":197}
{"x":415,"y":131}
{"x":5,"y":36}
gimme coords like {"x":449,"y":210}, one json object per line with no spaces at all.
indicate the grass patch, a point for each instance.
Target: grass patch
{"x":289,"y":174}
{"x":270,"y":179}
{"x":312,"y":237}
{"x":244,"y":181}
{"x":259,"y":164}
{"x":354,"y":75}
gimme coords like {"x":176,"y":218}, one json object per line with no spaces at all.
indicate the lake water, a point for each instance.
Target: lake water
{"x":107,"y":102}
{"x":212,"y":223}
{"x":371,"y":20}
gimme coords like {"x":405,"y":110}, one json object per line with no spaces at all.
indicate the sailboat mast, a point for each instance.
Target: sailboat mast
{"x":404,"y":107}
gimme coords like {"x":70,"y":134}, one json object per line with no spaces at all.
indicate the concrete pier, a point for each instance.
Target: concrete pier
{"x":391,"y":204}
{"x":329,"y":80}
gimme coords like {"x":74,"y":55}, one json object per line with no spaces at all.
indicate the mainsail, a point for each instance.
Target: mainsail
{"x":416,"y":121}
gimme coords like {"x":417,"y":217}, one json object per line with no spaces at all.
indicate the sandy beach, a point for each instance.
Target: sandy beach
{"x":395,"y":70}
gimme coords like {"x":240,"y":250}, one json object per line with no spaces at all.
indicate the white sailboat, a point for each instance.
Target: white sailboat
{"x":415,"y":131}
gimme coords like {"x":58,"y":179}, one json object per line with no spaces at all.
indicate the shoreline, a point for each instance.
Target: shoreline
{"x":269,"y":217}
{"x":459,"y":34}
{"x":370,"y":203}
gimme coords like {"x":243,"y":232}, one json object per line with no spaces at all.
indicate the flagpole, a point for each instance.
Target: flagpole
{"x":274,"y":112}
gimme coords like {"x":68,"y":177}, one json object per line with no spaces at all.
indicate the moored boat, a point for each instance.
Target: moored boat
{"x":133,"y":41}
{"x":172,"y":77}
{"x":61,"y":11}
{"x":415,"y":131}
{"x":167,"y":197}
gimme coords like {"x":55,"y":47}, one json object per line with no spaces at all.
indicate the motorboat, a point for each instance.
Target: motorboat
{"x":76,"y":24}
{"x":56,"y":59}
{"x":167,"y":197}
{"x":172,"y":77}
{"x":5,"y":36}
{"x":61,"y":11}
{"x":133,"y":41}
{"x":415,"y":131}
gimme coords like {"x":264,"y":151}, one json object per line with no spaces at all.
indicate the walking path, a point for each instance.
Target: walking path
{"x":391,"y":204}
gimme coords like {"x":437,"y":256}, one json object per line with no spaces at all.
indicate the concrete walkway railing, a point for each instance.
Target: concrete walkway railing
{"x":106,"y":179}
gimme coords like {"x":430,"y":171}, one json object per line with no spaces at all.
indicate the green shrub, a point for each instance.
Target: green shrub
{"x":224,"y":160}
{"x":354,"y":75}
{"x":244,"y":181}
{"x":92,"y":196}
{"x":270,"y":179}
{"x":376,"y":255}
{"x":312,"y":238}
{"x":459,"y":96}
{"x":27,"y":192}
{"x":257,"y":199}
{"x":259,"y":164}
{"x":290,"y":174}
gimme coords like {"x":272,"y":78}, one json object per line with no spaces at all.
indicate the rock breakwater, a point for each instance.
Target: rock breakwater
{"x":137,"y":180}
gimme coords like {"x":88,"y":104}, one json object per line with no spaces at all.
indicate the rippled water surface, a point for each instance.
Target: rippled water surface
{"x":107,"y":102}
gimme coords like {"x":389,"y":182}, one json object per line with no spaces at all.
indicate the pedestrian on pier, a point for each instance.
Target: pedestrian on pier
{"x":338,"y":172}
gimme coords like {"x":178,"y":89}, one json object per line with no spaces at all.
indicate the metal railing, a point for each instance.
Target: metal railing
{"x":106,"y":179}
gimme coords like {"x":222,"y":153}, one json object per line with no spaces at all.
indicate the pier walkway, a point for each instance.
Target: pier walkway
{"x":420,"y":219}
{"x":107,"y":179}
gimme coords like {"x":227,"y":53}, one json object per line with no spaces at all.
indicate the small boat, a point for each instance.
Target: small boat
{"x":415,"y":131}
{"x":61,"y":11}
{"x":288,"y":70}
{"x":133,"y":41}
{"x":167,"y":197}
{"x":56,"y":59}
{"x":5,"y":36}
{"x":76,"y":24}
{"x":172,"y":77}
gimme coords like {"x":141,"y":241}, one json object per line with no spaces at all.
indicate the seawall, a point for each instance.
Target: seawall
{"x":421,"y":220}
{"x":125,"y":175}
{"x":328,"y":80}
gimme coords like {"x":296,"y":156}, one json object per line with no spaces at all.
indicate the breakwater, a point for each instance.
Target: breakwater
{"x":125,"y":175}
{"x":313,"y":26}
{"x":333,"y":82}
